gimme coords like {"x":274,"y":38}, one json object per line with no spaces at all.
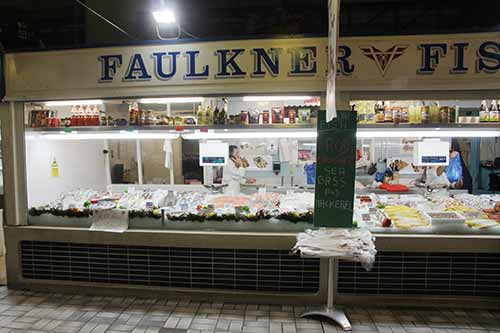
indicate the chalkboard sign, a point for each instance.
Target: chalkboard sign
{"x":335,"y":170}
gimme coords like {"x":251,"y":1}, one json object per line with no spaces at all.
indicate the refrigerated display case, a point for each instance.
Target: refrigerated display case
{"x":131,"y":167}
{"x":128,"y":161}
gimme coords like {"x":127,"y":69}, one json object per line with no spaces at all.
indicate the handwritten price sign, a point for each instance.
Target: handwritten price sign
{"x":336,"y":169}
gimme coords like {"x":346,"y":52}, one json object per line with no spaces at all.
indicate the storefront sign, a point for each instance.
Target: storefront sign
{"x":444,"y":62}
{"x":335,"y":170}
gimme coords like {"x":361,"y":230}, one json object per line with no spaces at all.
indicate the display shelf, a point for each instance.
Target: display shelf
{"x":386,"y":126}
{"x":180,"y":128}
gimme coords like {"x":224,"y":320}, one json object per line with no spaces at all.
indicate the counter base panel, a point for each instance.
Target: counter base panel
{"x":251,"y":267}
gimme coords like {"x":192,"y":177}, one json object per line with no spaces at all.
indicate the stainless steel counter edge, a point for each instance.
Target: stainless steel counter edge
{"x":248,"y":240}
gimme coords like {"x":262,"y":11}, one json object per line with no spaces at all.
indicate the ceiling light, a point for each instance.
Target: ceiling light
{"x":104,"y":136}
{"x":274,"y":98}
{"x":71,"y":103}
{"x":437,"y":133}
{"x":171,"y":100}
{"x":165,"y":16}
{"x":249,"y":135}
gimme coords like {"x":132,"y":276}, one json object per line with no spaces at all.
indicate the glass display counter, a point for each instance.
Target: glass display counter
{"x":248,"y":164}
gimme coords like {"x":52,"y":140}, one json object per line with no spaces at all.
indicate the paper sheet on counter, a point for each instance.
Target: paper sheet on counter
{"x":110,"y":220}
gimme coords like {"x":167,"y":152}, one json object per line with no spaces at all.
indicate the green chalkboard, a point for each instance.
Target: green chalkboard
{"x":335,"y":170}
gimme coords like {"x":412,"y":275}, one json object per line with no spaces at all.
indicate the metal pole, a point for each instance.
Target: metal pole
{"x":139,"y":160}
{"x":330,"y":291}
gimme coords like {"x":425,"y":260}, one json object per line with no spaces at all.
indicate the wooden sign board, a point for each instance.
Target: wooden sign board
{"x":335,"y":170}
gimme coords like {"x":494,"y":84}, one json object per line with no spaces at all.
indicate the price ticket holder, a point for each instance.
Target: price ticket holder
{"x":334,"y":194}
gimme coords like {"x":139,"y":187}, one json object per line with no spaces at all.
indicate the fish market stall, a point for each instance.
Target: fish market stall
{"x":207,"y":154}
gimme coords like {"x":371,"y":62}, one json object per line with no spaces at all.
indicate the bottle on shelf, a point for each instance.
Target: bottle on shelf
{"x":223,"y":112}
{"x":210,"y":115}
{"x":453,"y":114}
{"x":484,"y":112}
{"x":360,"y":112}
{"x":141,"y":116}
{"x":387,"y":113}
{"x":418,"y":113}
{"x":396,"y":114}
{"x":405,"y":115}
{"x":425,"y":114}
{"x":493,"y":116}
{"x":444,"y":115}
{"x":379,"y":112}
{"x":132,"y":117}
{"x":434,"y":113}
{"x":85,"y":116}
{"x":73,"y":115}
{"x":216,"y":114}
{"x":369,"y":113}
{"x":97,"y":116}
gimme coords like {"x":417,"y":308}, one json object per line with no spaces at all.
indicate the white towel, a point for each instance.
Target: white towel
{"x":167,"y":148}
{"x":289,"y":150}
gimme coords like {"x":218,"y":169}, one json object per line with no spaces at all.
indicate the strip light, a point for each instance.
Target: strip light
{"x":171,"y":100}
{"x":71,"y":103}
{"x":428,"y":133}
{"x":103,"y":136}
{"x":249,"y":135}
{"x":274,"y":98}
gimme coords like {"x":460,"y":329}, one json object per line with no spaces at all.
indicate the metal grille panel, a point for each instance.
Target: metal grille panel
{"x":408,"y":273}
{"x":235,"y":269}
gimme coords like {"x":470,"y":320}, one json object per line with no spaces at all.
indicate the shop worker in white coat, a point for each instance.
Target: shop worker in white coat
{"x":233,"y":173}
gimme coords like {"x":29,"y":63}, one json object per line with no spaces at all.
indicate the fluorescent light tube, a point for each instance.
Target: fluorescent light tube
{"x":249,"y":135}
{"x":462,"y":133}
{"x":71,"y":103}
{"x":103,"y":136}
{"x":274,"y":98}
{"x":171,"y":100}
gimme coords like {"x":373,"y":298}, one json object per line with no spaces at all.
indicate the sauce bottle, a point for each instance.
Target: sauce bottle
{"x":387,"y":113}
{"x":493,"y":111}
{"x":444,"y":115}
{"x":379,"y":112}
{"x":425,"y":112}
{"x":405,"y":115}
{"x":484,"y":113}
{"x":434,"y":113}
{"x":396,"y":114}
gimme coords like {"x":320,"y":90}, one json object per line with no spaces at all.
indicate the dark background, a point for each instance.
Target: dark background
{"x":39,"y":24}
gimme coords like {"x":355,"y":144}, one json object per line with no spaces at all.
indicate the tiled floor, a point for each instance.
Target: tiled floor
{"x":45,"y":312}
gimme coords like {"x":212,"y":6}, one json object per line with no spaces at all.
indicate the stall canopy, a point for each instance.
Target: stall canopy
{"x":409,"y":63}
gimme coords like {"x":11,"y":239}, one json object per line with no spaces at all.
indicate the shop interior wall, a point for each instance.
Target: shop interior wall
{"x":81,"y":166}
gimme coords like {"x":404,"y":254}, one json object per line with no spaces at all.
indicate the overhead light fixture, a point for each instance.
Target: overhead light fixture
{"x":171,"y":100}
{"x":250,"y":135}
{"x":437,"y":133}
{"x":274,"y":98}
{"x":109,"y":136}
{"x":71,"y":103}
{"x":165,"y":16}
